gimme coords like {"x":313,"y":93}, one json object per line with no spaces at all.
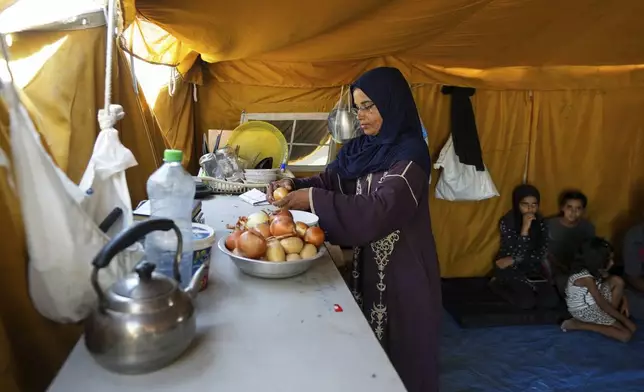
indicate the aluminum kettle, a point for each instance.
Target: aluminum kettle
{"x":144,"y":321}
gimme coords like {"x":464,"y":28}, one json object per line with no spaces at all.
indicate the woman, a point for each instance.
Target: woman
{"x":374,"y":197}
{"x":519,"y":266}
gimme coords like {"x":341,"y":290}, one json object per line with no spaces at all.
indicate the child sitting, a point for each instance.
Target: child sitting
{"x":595,"y":299}
{"x":566,"y":233}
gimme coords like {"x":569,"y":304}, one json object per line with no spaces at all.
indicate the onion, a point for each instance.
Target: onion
{"x":314,"y":235}
{"x":238,"y":252}
{"x":282,"y":226}
{"x":300,"y":228}
{"x":280,"y":193}
{"x":275,"y":252}
{"x":309,"y":251}
{"x":293,"y":257}
{"x":256,"y":218}
{"x":282,"y":212}
{"x":231,"y":240}
{"x":292,"y":244}
{"x":252,"y":244}
{"x":264,"y":229}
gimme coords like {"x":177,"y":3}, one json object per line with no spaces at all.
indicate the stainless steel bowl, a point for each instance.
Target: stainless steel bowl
{"x":269,"y":269}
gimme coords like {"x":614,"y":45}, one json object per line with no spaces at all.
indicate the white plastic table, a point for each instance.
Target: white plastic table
{"x":259,"y":335}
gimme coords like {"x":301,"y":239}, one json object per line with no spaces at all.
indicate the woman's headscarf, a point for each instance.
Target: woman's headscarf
{"x":400,"y":137}
{"x":514,"y":218}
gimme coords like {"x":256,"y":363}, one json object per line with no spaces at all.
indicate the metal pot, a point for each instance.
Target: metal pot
{"x":144,"y":321}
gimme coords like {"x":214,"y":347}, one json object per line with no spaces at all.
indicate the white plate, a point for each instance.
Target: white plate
{"x":305,"y":217}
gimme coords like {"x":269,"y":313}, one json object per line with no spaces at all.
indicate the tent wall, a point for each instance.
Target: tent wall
{"x":63,"y":98}
{"x":576,"y":138}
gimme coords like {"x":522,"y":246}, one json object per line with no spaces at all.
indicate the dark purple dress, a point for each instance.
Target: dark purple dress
{"x":395,"y":277}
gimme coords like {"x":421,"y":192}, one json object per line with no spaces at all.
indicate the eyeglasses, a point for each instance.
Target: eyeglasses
{"x":366,"y":107}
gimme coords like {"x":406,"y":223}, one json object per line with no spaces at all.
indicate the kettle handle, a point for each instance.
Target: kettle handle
{"x":126,"y":239}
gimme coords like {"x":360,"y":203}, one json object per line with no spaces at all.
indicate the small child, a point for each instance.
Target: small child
{"x":595,"y":299}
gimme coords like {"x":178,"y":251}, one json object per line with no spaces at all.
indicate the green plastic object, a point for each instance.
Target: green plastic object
{"x":172,"y":155}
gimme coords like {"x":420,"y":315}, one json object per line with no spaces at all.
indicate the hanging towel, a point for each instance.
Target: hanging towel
{"x":464,"y":134}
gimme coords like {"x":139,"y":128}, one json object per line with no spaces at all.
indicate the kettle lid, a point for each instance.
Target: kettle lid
{"x":144,"y":283}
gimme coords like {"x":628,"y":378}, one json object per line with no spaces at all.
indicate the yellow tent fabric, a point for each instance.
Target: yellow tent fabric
{"x":63,"y":95}
{"x":463,"y":33}
{"x":532,"y":62}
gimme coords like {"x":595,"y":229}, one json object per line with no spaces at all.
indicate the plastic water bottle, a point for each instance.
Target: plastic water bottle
{"x":171,"y":191}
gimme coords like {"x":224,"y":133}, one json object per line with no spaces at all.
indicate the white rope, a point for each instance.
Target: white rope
{"x":111,"y":16}
{"x":172,"y":84}
{"x":194,"y":92}
{"x":110,"y":114}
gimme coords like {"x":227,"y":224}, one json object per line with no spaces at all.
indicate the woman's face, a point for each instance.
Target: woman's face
{"x":368,"y":114}
{"x":529,"y":205}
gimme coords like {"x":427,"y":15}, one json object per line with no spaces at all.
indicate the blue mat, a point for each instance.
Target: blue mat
{"x":538,"y":358}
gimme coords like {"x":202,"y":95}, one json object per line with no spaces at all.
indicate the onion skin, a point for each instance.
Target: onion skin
{"x":280,"y":193}
{"x":300,"y":228}
{"x":282,"y":226}
{"x":252,"y":244}
{"x":231,"y":240}
{"x":315,"y":236}
{"x":281,"y":212}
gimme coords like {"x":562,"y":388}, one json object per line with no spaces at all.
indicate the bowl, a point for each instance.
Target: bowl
{"x":260,"y":176}
{"x":305,"y":217}
{"x":269,"y":269}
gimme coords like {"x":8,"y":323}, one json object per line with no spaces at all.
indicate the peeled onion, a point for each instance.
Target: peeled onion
{"x":252,"y":244}
{"x":264,"y":229}
{"x":292,"y":244}
{"x":282,"y":226}
{"x":256,"y":218}
{"x":280,"y":193}
{"x":275,"y":252}
{"x":293,"y":257}
{"x":231,"y":240}
{"x":314,"y":235}
{"x":308,"y":251}
{"x":300,"y":228}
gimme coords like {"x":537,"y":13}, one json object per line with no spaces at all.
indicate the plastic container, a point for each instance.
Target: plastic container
{"x":171,"y":191}
{"x":203,"y":238}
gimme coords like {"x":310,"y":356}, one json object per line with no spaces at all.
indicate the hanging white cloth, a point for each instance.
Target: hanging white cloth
{"x":62,"y":239}
{"x":60,"y":218}
{"x":459,"y":181}
{"x":104,"y":181}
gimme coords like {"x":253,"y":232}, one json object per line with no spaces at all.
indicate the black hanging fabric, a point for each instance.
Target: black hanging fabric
{"x":464,"y":134}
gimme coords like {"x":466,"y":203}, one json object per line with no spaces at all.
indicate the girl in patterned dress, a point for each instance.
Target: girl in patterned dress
{"x":596,"y":299}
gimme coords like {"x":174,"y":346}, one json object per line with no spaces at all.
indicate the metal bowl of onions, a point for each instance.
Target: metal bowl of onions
{"x":271,"y":269}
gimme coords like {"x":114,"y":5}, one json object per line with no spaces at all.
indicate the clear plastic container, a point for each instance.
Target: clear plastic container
{"x":171,"y":191}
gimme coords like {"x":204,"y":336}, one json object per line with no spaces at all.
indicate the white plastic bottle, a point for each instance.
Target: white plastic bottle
{"x":171,"y":191}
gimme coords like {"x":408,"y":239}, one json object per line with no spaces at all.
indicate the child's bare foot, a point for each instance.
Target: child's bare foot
{"x":569,"y":324}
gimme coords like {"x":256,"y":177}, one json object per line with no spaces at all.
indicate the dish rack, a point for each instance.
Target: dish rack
{"x":224,"y":187}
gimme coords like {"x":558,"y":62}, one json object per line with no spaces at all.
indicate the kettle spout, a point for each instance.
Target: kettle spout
{"x":193,"y":287}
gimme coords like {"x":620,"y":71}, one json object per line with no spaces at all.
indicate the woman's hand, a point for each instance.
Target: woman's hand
{"x":283,"y":183}
{"x":504,"y":262}
{"x":296,"y":200}
{"x":527,"y":222}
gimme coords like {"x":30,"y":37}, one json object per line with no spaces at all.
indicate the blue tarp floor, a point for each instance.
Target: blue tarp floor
{"x":538,"y":358}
